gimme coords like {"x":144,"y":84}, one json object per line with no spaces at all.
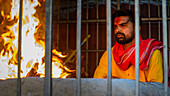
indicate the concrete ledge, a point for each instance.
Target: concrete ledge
{"x":34,"y":86}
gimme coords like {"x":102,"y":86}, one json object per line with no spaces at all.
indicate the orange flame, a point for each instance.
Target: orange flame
{"x":32,"y":51}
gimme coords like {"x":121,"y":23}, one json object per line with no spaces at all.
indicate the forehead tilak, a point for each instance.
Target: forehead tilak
{"x":118,"y":20}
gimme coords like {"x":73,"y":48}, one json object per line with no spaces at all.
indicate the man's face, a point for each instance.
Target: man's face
{"x":123,"y":29}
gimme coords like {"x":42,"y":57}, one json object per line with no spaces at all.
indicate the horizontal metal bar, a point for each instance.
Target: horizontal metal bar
{"x":84,"y":21}
{"x":93,"y":50}
{"x":68,"y":51}
{"x":97,"y":50}
{"x":152,"y":19}
{"x":103,"y":20}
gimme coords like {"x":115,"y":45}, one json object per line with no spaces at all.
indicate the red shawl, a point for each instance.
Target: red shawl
{"x":124,"y":58}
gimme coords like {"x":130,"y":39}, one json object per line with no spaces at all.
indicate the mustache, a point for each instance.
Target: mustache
{"x":120,"y":33}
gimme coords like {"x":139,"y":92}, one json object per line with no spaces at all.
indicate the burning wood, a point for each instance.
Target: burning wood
{"x":72,"y":56}
{"x":33,"y":72}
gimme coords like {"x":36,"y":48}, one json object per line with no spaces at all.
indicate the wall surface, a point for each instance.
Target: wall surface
{"x":33,"y":86}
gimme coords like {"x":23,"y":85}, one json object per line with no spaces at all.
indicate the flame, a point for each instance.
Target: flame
{"x":32,"y":50}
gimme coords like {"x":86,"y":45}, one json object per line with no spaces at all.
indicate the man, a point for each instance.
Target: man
{"x":123,"y":52}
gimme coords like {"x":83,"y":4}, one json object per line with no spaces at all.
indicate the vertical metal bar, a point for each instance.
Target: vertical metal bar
{"x":129,"y":5}
{"x":67,"y":24}
{"x":97,"y":33}
{"x":149,"y":15}
{"x":165,"y":50}
{"x":168,"y":8}
{"x":87,"y":29}
{"x":169,"y":29}
{"x":58,"y":25}
{"x":48,"y":47}
{"x":159,"y":24}
{"x":109,"y":77}
{"x":118,"y":4}
{"x":19,"y":50}
{"x":137,"y":22}
{"x":78,"y":47}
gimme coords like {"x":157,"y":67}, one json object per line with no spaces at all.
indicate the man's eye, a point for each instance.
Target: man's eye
{"x":123,"y":25}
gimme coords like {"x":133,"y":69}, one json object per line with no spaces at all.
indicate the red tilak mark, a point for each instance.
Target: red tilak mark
{"x":117,"y":19}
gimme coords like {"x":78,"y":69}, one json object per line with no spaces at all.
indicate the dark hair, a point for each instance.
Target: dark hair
{"x":125,"y":12}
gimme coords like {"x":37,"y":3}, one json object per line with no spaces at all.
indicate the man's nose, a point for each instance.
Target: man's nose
{"x":118,"y":29}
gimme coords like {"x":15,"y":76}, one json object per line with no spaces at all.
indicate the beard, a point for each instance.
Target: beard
{"x":124,"y":39}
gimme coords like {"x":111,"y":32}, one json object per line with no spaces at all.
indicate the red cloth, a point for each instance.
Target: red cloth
{"x":124,"y":58}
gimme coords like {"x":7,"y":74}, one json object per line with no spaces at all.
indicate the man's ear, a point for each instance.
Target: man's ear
{"x":139,"y":28}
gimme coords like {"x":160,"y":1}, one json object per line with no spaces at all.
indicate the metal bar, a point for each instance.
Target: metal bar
{"x":103,"y":20}
{"x":149,"y":17}
{"x":66,"y":51}
{"x":93,"y":50}
{"x":19,"y":50}
{"x":153,"y":19}
{"x":165,"y":50}
{"x":118,"y":4}
{"x":159,"y":24}
{"x":129,"y":5}
{"x":58,"y":25}
{"x":97,"y":32}
{"x":90,"y":51}
{"x":78,"y":47}
{"x":48,"y":47}
{"x":169,"y":30}
{"x":109,"y":77}
{"x":84,"y":21}
{"x":98,"y":50}
{"x":67,"y":24}
{"x":168,"y":7}
{"x":87,"y":29}
{"x":137,"y":22}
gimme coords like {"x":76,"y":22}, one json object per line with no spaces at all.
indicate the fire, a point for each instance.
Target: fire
{"x":32,"y":50}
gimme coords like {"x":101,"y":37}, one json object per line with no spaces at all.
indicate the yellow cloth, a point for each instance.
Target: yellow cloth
{"x":154,"y":72}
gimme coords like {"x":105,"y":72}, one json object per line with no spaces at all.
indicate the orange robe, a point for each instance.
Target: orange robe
{"x":154,"y":72}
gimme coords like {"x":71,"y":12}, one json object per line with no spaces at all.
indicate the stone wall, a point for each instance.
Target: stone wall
{"x":34,"y":86}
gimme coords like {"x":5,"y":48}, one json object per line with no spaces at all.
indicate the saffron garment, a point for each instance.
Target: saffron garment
{"x":153,"y":73}
{"x":124,"y":58}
